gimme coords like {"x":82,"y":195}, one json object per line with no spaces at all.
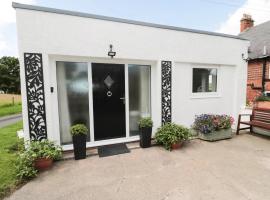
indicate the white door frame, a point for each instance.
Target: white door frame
{"x":89,"y":61}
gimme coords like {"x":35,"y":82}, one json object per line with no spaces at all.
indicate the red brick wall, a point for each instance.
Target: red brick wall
{"x":255,"y":78}
{"x":267,"y":85}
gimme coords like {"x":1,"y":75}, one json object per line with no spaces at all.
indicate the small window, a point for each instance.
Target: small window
{"x":204,"y":80}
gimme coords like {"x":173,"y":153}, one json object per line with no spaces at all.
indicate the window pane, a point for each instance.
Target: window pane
{"x":204,"y":80}
{"x":72,"y":83}
{"x":139,"y":95}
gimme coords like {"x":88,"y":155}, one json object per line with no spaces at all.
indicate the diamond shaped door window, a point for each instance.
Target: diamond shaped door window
{"x":108,"y":81}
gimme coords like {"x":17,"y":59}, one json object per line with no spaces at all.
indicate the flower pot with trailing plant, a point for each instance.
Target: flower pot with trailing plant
{"x":43,"y":153}
{"x":79,"y":132}
{"x":213,"y":127}
{"x":145,"y":126}
{"x":38,"y":156}
{"x":172,"y":136}
{"x":262,"y":102}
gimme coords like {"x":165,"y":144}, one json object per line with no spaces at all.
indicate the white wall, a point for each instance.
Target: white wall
{"x":69,"y":35}
{"x":187,"y":104}
{"x":56,"y":34}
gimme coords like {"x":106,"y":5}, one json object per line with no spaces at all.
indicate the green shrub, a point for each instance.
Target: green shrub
{"x":44,"y":149}
{"x":78,"y":129}
{"x":145,"y":122}
{"x":36,"y":149}
{"x":25,"y":169}
{"x":262,"y":98}
{"x":171,"y":133}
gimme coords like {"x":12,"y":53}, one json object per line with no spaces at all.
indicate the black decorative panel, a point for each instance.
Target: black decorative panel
{"x":35,"y":96}
{"x":166,"y":89}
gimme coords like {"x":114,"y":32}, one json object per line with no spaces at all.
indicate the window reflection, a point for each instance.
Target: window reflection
{"x":73,"y":100}
{"x":139,"y":95}
{"x":204,"y":80}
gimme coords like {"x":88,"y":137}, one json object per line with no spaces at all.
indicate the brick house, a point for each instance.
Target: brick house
{"x":258,"y":80}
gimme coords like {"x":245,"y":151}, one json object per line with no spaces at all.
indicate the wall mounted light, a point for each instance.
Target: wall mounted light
{"x":111,"y":53}
{"x":245,"y":58}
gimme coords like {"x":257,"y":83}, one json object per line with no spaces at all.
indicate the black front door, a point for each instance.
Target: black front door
{"x":109,"y":100}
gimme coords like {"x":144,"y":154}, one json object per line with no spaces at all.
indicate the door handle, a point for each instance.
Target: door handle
{"x":123,"y":99}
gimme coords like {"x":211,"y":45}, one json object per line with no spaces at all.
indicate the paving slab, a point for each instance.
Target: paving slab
{"x":238,"y":168}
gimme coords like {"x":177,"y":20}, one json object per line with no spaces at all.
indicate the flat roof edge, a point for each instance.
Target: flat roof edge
{"x":120,"y":20}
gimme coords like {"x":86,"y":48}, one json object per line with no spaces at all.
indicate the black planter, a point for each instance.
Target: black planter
{"x":79,"y":146}
{"x":145,"y":137}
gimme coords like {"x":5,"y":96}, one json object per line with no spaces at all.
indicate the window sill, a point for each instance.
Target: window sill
{"x":205,"y":95}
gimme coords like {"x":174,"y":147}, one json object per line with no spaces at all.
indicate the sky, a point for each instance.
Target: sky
{"x":210,"y":15}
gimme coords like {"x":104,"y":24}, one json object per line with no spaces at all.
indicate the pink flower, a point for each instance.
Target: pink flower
{"x":231,"y":120}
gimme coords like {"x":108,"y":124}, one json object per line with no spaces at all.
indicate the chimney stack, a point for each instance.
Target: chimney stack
{"x":246,"y":22}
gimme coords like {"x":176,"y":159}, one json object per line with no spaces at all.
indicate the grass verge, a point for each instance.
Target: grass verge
{"x":10,"y":109}
{"x":8,"y":148}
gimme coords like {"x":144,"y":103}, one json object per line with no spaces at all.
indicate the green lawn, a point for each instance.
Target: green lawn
{"x":9,"y":109}
{"x":8,"y":149}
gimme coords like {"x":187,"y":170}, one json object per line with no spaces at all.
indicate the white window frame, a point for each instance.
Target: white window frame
{"x":216,"y":94}
{"x":89,"y":61}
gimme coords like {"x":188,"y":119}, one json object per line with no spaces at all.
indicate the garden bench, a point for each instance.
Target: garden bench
{"x":260,"y":118}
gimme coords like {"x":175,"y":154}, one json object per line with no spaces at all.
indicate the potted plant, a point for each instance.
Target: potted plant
{"x":38,"y":156}
{"x":145,"y":126}
{"x":79,"y":132}
{"x":43,"y":153}
{"x":262,"y":102}
{"x":213,"y":127}
{"x":25,"y":169}
{"x":172,"y":136}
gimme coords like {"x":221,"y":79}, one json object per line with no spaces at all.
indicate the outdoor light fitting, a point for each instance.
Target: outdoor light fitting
{"x":111,"y":52}
{"x":245,"y":59}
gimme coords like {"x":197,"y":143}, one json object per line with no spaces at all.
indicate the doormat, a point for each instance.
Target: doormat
{"x":111,"y":150}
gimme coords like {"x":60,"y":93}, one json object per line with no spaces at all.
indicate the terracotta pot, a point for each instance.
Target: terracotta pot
{"x":177,"y":145}
{"x":42,"y":164}
{"x":262,"y":104}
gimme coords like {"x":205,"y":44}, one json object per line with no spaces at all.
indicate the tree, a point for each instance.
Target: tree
{"x":10,"y":75}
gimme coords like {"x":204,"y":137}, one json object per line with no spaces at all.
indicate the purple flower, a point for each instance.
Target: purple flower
{"x":206,"y":123}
